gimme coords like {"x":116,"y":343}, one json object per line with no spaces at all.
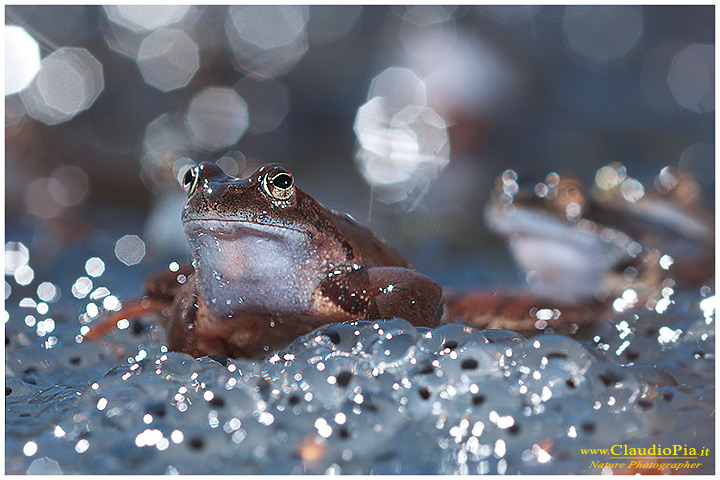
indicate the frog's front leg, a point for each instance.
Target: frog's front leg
{"x":381,"y":293}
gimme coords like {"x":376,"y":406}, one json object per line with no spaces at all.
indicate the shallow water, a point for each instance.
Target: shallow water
{"x":361,"y":397}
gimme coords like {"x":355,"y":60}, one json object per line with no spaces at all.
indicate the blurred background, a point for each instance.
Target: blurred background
{"x":401,"y":116}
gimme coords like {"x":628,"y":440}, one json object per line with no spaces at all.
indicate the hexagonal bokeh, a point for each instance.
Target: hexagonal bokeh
{"x":122,"y":40}
{"x":267,"y":102}
{"x":130,"y":249}
{"x":68,"y":185}
{"x":427,"y":31}
{"x":145,"y":17}
{"x":38,"y":200}
{"x":407,"y":152}
{"x":69,"y":81}
{"x":692,"y":78}
{"x":400,"y":87}
{"x":403,"y":143}
{"x":168,"y":59}
{"x":602,"y":33}
{"x":217,"y":117}
{"x":370,"y":120}
{"x":266,"y":40}
{"x":22,"y":59}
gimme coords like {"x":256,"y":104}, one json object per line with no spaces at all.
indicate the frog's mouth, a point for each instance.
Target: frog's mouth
{"x":235,"y":227}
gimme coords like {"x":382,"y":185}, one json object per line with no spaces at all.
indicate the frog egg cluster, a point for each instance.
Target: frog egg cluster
{"x":360,"y":398}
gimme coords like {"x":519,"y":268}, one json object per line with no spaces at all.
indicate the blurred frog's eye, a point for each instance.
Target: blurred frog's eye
{"x":190,"y":180}
{"x":279,"y":184}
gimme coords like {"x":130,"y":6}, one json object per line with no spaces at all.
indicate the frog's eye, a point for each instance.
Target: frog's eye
{"x":279,"y":184}
{"x":190,"y":180}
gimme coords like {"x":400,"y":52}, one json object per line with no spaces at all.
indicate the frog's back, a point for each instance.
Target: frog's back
{"x":372,"y":250}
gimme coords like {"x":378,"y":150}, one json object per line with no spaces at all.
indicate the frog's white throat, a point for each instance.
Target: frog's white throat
{"x":253,"y":271}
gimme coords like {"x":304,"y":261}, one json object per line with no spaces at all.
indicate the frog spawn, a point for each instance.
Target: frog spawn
{"x":365,"y":397}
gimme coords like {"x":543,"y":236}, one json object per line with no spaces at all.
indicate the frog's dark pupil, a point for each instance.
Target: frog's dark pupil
{"x":283,"y":181}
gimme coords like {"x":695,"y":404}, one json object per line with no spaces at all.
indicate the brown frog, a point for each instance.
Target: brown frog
{"x":270,"y":264}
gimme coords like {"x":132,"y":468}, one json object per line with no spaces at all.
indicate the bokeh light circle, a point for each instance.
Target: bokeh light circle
{"x":130,"y":249}
{"x":266,"y":40}
{"x":168,"y":59}
{"x":69,"y":82}
{"x":22,"y":59}
{"x":402,"y":142}
{"x":692,"y":78}
{"x":218,"y":117}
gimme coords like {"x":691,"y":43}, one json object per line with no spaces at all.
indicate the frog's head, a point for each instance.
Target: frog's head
{"x":258,"y":243}
{"x":267,"y":197}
